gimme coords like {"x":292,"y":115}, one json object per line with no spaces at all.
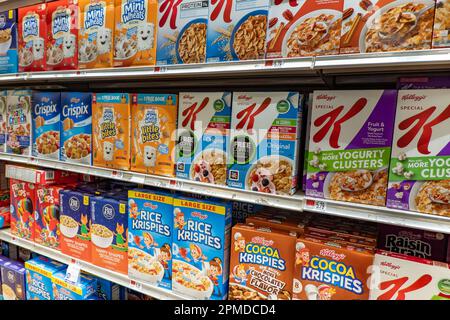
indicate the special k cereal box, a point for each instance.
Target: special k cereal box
{"x":150,"y":223}
{"x":153,"y":122}
{"x":111,"y":130}
{"x":264,"y":141}
{"x":350,"y":145}
{"x":201,"y":244}
{"x":39,"y":272}
{"x":95,"y":38}
{"x":46,"y":114}
{"x":8,"y":42}
{"x":18,"y":122}
{"x":203,"y":129}
{"x":23,"y":206}
{"x":237,"y":30}
{"x":182,"y":28}
{"x":32,"y":35}
{"x":441,"y":35}
{"x":135,"y":32}
{"x":3,"y":104}
{"x":419,"y":177}
{"x":261,"y":263}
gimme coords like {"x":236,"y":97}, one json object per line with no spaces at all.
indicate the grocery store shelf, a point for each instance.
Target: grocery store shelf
{"x":112,"y":276}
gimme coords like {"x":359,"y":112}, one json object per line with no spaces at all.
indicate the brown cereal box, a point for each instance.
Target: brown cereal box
{"x":277,"y":223}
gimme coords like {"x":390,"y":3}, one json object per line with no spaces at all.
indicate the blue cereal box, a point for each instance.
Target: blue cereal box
{"x":18,"y":122}
{"x":201,"y":244}
{"x":150,"y":222}
{"x":39,"y":272}
{"x":107,"y":290}
{"x":3,"y":97}
{"x":76,"y":127}
{"x":13,"y":280}
{"x":46,"y":111}
{"x":63,"y":290}
{"x":8,"y":42}
{"x":3,"y":260}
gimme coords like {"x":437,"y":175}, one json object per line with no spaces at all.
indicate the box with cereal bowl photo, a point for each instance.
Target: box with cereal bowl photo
{"x":13,"y":281}
{"x":3,"y":104}
{"x":441,"y":34}
{"x":419,"y":177}
{"x":350,"y":145}
{"x":18,"y":122}
{"x":39,"y":272}
{"x":8,"y":42}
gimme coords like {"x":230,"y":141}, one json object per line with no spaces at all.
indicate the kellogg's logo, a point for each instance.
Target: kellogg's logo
{"x":263,"y":241}
{"x":169,"y":9}
{"x":226,"y":5}
{"x":199,"y":215}
{"x":390,"y":265}
{"x":413,"y":97}
{"x":332,"y":254}
{"x":190,"y":114}
{"x":325,"y":97}
{"x":74,"y":204}
{"x":108,"y":211}
{"x":247,"y":116}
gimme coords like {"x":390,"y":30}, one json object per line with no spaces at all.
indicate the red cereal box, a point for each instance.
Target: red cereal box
{"x":22,"y":208}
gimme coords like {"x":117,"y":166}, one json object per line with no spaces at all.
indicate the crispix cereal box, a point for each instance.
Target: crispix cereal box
{"x":39,"y":272}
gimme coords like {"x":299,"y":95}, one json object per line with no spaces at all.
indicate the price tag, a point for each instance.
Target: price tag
{"x":135,"y":285}
{"x":317,"y":205}
{"x":274,"y":63}
{"x":73,"y":272}
{"x":176,"y":184}
{"x":117,"y":174}
{"x":160,"y":69}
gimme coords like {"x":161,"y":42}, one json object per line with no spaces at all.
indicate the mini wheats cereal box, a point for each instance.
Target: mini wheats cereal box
{"x":3,"y":116}
{"x":76,"y":127}
{"x":46,"y":112}
{"x":135,"y":32}
{"x":441,"y":34}
{"x":111,"y":114}
{"x":39,"y":272}
{"x":8,"y":42}
{"x":85,"y":289}
{"x":18,"y":122}
{"x":419,"y":177}
{"x":150,"y":223}
{"x":13,"y":281}
{"x":350,"y":145}
{"x":203,"y":131}
{"x":264,"y":141}
{"x":201,"y":244}
{"x":261,"y":263}
{"x":236,"y":30}
{"x":182,"y":31}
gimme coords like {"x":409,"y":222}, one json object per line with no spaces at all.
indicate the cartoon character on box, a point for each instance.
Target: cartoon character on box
{"x":239,"y":242}
{"x":47,"y":216}
{"x":179,"y":219}
{"x":22,"y":204}
{"x":301,"y":254}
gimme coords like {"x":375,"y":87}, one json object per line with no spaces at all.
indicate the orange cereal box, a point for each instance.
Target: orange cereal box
{"x":111,"y":130}
{"x":153,"y":119}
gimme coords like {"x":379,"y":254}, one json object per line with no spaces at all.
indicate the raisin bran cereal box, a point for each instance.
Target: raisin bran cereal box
{"x":261,"y":263}
{"x":419,"y":177}
{"x":153,"y":121}
{"x":95,"y":38}
{"x":18,"y":122}
{"x":202,"y":138}
{"x":39,"y":272}
{"x":201,"y":244}
{"x":264,"y":141}
{"x":8,"y":42}
{"x":3,"y":116}
{"x":150,"y":221}
{"x":350,"y":145}
{"x":76,"y":127}
{"x":13,"y":281}
{"x":441,"y":34}
{"x":237,"y":30}
{"x":23,"y":204}
{"x":64,"y":290}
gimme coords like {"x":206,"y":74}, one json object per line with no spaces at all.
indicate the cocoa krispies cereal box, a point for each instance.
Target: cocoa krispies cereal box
{"x":8,"y":42}
{"x":441,"y":34}
{"x":236,"y":30}
{"x":419,"y":177}
{"x":182,"y":28}
{"x":3,"y":104}
{"x":18,"y":122}
{"x":350,"y":145}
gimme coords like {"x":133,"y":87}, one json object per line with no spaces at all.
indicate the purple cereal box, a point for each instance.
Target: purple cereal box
{"x":3,"y":260}
{"x":13,"y":281}
{"x":437,"y":82}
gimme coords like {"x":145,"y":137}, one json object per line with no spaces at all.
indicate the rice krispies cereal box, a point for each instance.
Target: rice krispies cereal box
{"x":18,"y":122}
{"x":150,"y":222}
{"x":23,"y":206}
{"x":8,"y":42}
{"x":264,"y":141}
{"x":46,"y":120}
{"x":3,"y":117}
{"x":419,"y":177}
{"x":62,"y":290}
{"x":236,"y":30}
{"x":350,"y":145}
{"x":202,"y":137}
{"x":13,"y":281}
{"x":76,"y":127}
{"x":39,"y":272}
{"x":441,"y":35}
{"x":201,"y":244}
{"x":153,"y":122}
{"x":242,"y":210}
{"x":182,"y":28}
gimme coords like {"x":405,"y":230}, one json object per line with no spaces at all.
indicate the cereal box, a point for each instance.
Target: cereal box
{"x":46,"y":112}
{"x":261,"y":263}
{"x":441,"y":35}
{"x":3,"y":116}
{"x":264,"y":141}
{"x":95,"y":38}
{"x":237,"y":30}
{"x":201,"y":244}
{"x":242,"y":210}
{"x":23,"y":204}
{"x":304,"y":28}
{"x":202,"y":137}
{"x":32,"y":35}
{"x":386,"y":25}
{"x":62,"y":36}
{"x":424,"y":82}
{"x":39,"y":272}
{"x":63,"y":290}
{"x":182,"y":31}
{"x":419,"y":177}
{"x":13,"y":281}
{"x":76,"y":127}
{"x":18,"y":122}
{"x":3,"y":260}
{"x":154,"y":121}
{"x":135,"y":32}
{"x":150,"y":223}
{"x":8,"y":42}
{"x":111,"y":130}
{"x":350,"y":145}
{"x":109,"y":231}
{"x":107,"y":290}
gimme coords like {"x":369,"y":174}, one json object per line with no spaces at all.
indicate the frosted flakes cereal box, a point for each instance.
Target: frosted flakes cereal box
{"x":419,"y":177}
{"x":182,"y":28}
{"x":264,"y":141}
{"x":13,"y":281}
{"x":203,"y":129}
{"x":46,"y":115}
{"x":63,"y":290}
{"x":3,"y":116}
{"x":111,"y":130}
{"x":18,"y":122}
{"x":39,"y":272}
{"x":76,"y":127}
{"x":95,"y":38}
{"x":153,"y":121}
{"x":350,"y":145}
{"x":237,"y":30}
{"x":441,"y":35}
{"x":8,"y":42}
{"x":201,"y":244}
{"x":150,"y":222}
{"x":135,"y":32}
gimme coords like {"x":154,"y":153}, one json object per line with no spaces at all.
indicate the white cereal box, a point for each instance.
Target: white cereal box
{"x":3,"y":95}
{"x":18,"y":122}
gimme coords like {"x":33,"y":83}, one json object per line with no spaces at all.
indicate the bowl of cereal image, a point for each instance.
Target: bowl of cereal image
{"x":8,"y":293}
{"x":25,"y":57}
{"x":68,"y":226}
{"x":191,"y":43}
{"x":125,"y":48}
{"x":47,"y":145}
{"x":191,"y":281}
{"x":249,"y":33}
{"x":78,"y":148}
{"x":239,"y":292}
{"x":430,"y":197}
{"x":143,"y":266}
{"x":101,"y":236}
{"x":210,"y":166}
{"x":5,"y":41}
